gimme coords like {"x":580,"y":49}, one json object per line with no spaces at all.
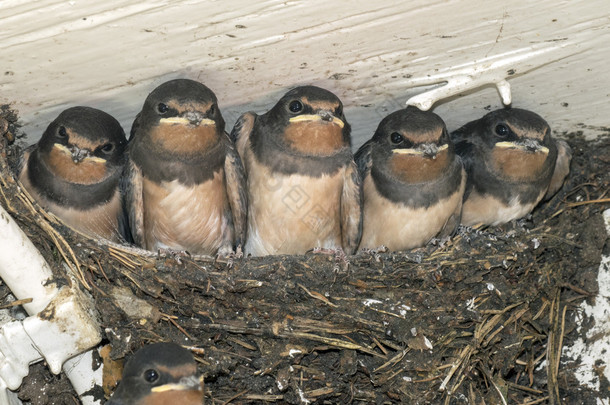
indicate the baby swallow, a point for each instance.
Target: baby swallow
{"x":161,"y":373}
{"x":303,"y":185}
{"x":512,"y":164}
{"x":74,"y":169}
{"x":184,"y":181}
{"x":413,"y":182}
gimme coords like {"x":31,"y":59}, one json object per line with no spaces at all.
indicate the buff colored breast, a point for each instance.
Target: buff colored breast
{"x":180,"y":217}
{"x":291,"y":214}
{"x":99,"y":221}
{"x":399,"y":227}
{"x":486,"y":209}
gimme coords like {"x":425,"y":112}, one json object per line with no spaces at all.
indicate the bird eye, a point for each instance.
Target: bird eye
{"x":108,"y":148}
{"x":151,"y":375}
{"x":339,"y":111}
{"x":213,"y":109}
{"x":295,"y":106}
{"x":61,"y":132}
{"x":502,"y":130}
{"x":162,"y":108}
{"x":396,"y":138}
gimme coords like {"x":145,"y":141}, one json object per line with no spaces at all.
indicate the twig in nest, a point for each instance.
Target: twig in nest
{"x":331,"y":342}
{"x":122,"y":254}
{"x":393,"y":360}
{"x":537,"y":401}
{"x":241,"y":343}
{"x":317,"y":296}
{"x":228,"y":401}
{"x":463,"y":357}
{"x":379,"y":345}
{"x":491,"y":380}
{"x":523,"y":388}
{"x":598,"y":201}
{"x":576,"y":289}
{"x":481,"y":331}
{"x":16,"y":303}
{"x":73,"y":265}
{"x":195,"y":349}
{"x":124,"y":261}
{"x":559,"y":238}
{"x":511,"y":319}
{"x":265,"y":398}
{"x":540,"y":312}
{"x":101,"y":269}
{"x":435,"y":377}
{"x":173,"y":322}
{"x":555,"y":342}
{"x":7,"y":202}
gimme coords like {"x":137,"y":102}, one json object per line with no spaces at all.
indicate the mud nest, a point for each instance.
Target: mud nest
{"x":480,"y":319}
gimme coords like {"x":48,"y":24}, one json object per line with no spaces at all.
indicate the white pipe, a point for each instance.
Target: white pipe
{"x":83,"y":377}
{"x":22,"y":267}
{"x":62,"y":324}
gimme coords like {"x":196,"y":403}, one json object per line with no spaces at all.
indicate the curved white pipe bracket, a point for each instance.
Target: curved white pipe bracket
{"x":65,"y":328}
{"x":489,"y":70}
{"x":17,"y":352}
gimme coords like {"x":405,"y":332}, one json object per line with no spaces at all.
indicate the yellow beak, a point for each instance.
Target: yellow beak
{"x":315,"y":117}
{"x":513,"y":145}
{"x":186,"y":384}
{"x":412,"y":151}
{"x":67,"y":151}
{"x":185,"y":121}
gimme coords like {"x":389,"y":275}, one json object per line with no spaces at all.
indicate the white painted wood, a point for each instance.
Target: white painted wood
{"x":110,"y":54}
{"x":589,"y":348}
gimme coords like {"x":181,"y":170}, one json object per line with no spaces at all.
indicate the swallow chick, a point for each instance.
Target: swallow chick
{"x":74,"y":169}
{"x":161,"y":373}
{"x":303,"y":185}
{"x":184,"y":181}
{"x":412,"y":180}
{"x":512,"y":164}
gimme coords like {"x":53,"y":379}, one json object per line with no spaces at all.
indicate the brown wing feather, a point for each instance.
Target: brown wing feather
{"x":363,"y":159}
{"x":242,"y":130}
{"x":131,"y":188}
{"x":562,"y":168}
{"x":23,"y":160}
{"x":235,"y":182}
{"x":456,"y":217}
{"x":351,"y":209}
